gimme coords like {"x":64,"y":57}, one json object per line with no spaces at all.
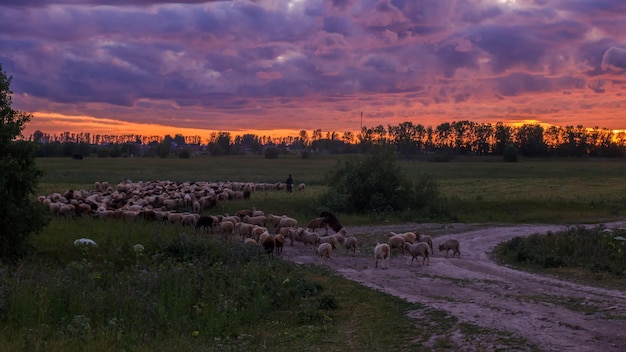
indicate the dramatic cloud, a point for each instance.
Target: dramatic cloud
{"x":307,"y":64}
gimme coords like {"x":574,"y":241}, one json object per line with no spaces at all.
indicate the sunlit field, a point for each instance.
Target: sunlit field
{"x":477,"y":189}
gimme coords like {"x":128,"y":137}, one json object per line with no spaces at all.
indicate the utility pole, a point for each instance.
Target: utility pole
{"x":361,"y":122}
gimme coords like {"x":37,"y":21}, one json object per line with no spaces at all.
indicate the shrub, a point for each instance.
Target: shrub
{"x":375,"y":184}
{"x":184,"y":154}
{"x":271,"y":153}
{"x":510,"y":153}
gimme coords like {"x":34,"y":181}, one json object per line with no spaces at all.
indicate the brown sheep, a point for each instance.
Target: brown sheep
{"x":451,"y":244}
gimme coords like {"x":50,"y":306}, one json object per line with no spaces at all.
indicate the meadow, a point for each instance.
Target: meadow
{"x":186,"y":291}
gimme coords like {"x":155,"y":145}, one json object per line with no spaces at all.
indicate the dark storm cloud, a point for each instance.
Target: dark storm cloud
{"x":242,"y":54}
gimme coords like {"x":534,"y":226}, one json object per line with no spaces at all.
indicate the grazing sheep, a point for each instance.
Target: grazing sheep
{"x":419,"y":249}
{"x":397,"y":242}
{"x":382,"y":251}
{"x":318,"y":223}
{"x":301,"y":187}
{"x":310,"y":238}
{"x":206,"y":222}
{"x":227,"y":227}
{"x":256,"y":220}
{"x":410,"y":237}
{"x":324,"y":251}
{"x":250,"y":241}
{"x":427,"y":239}
{"x":85,"y":242}
{"x":351,"y":244}
{"x":331,"y":220}
{"x":451,"y":244}
{"x":280,"y":242}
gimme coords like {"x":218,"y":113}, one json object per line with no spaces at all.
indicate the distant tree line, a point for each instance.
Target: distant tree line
{"x":407,"y":139}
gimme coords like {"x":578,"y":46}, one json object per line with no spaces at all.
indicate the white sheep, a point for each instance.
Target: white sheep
{"x":286,"y":221}
{"x":382,"y":251}
{"x":351,"y":244}
{"x":301,"y":187}
{"x":324,"y":251}
{"x":309,"y":237}
{"x":85,"y":242}
{"x":419,"y":249}
{"x":256,"y":220}
{"x":410,"y":237}
{"x":451,"y":244}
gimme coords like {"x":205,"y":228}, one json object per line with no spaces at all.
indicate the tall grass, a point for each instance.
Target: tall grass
{"x":186,"y":292}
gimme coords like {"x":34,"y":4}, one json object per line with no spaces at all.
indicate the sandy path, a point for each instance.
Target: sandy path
{"x":553,"y":314}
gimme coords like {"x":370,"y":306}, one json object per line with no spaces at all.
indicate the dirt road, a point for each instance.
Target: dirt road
{"x":552,"y":314}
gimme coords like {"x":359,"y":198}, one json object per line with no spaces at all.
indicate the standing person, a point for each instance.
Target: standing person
{"x":289,"y":184}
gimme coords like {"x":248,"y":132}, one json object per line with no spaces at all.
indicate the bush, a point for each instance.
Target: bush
{"x":184,"y":154}
{"x":271,"y":153}
{"x":305,"y":154}
{"x":510,"y":153}
{"x":375,"y":184}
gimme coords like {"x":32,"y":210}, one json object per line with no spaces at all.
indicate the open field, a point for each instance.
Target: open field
{"x":477,"y":189}
{"x":170,"y":297}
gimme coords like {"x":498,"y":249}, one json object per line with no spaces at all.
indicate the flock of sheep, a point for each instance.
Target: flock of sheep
{"x":160,"y":200}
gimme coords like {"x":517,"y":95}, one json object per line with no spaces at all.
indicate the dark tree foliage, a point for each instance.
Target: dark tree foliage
{"x":20,"y":215}
{"x":510,"y":153}
{"x":272,"y":153}
{"x":376,"y":184}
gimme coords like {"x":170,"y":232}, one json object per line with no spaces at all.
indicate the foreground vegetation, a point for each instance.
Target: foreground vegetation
{"x":587,"y":255}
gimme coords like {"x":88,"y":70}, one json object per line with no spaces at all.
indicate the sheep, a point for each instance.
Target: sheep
{"x":310,"y":238}
{"x":324,"y":251}
{"x":382,"y":251}
{"x":418,"y":249}
{"x":85,"y":242}
{"x":451,"y":244}
{"x":257,"y":231}
{"x":331,"y":220}
{"x":301,"y":187}
{"x":250,"y":241}
{"x":256,"y":220}
{"x":286,"y":221}
{"x":206,"y":222}
{"x":189,"y":220}
{"x":318,"y":223}
{"x":351,"y":244}
{"x":398,"y":242}
{"x":244,"y":229}
{"x":227,"y":227}
{"x":274,"y":219}
{"x":269,"y":244}
{"x":410,"y":237}
{"x":427,"y":239}
{"x":279,"y":239}
{"x":330,"y":240}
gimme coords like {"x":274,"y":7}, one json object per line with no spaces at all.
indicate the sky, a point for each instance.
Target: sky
{"x":275,"y":67}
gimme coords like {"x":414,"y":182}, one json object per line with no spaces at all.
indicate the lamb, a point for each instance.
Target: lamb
{"x":451,"y":244}
{"x":398,"y":242}
{"x":351,"y":244}
{"x":324,"y":251}
{"x":420,"y":249}
{"x":382,"y":251}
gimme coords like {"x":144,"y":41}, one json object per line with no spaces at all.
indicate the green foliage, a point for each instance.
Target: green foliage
{"x":184,"y":153}
{"x":164,"y":148}
{"x":376,"y":184}
{"x":510,"y":153}
{"x":272,"y":153}
{"x":21,"y":217}
{"x":577,"y":247}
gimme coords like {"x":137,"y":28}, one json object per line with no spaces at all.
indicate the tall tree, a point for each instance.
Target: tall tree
{"x":21,"y":216}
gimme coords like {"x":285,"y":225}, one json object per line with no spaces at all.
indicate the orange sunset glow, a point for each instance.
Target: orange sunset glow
{"x":274,"y":68}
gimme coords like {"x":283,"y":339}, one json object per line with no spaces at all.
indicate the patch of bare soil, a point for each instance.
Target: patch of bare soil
{"x":550,"y":313}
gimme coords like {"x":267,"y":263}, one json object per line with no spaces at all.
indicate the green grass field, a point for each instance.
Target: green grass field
{"x":477,"y":189}
{"x":189,"y":292}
